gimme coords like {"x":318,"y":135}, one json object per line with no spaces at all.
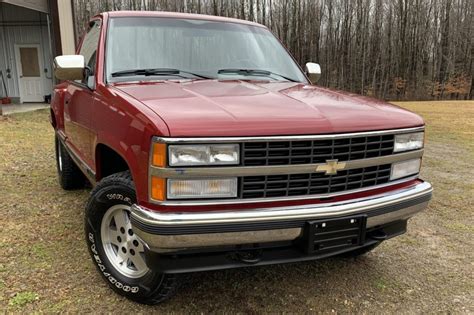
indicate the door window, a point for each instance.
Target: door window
{"x":89,"y":48}
{"x":29,"y":62}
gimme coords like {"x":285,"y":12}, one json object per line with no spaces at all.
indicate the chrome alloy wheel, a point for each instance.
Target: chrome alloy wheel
{"x":122,"y":247}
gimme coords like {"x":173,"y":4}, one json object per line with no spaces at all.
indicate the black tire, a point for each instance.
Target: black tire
{"x":360,"y":251}
{"x":70,"y":176}
{"x":150,"y":288}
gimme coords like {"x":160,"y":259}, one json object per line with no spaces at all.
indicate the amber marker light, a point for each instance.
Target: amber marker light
{"x":159,"y":155}
{"x":158,"y":187}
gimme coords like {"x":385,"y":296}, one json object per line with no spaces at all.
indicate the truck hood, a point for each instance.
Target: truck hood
{"x":245,"y":108}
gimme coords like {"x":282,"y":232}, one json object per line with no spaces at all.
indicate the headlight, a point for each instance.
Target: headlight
{"x":193,"y":155}
{"x":405,"y":168}
{"x":202,"y":188}
{"x":408,"y":141}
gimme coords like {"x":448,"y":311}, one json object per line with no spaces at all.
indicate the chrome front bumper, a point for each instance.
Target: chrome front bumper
{"x":168,"y":232}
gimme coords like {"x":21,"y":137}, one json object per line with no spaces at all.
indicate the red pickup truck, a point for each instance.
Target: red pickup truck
{"x":208,"y":147}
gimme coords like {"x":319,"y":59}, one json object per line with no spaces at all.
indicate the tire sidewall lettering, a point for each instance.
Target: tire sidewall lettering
{"x":119,"y":197}
{"x":103,"y":269}
{"x":151,"y":288}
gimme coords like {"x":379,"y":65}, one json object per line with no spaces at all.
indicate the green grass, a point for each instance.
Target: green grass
{"x":23,"y":298}
{"x":40,"y":251}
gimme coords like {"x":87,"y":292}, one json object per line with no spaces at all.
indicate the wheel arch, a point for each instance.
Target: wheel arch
{"x":109,"y":161}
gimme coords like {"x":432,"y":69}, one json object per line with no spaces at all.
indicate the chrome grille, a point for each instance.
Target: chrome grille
{"x":310,"y":184}
{"x":315,"y":151}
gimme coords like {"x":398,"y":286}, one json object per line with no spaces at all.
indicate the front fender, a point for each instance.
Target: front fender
{"x":126,"y":127}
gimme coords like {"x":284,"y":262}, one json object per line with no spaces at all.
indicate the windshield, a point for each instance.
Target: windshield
{"x":194,"y":49}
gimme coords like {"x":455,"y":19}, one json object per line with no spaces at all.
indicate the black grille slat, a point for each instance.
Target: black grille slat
{"x":315,"y":151}
{"x":294,"y":152}
{"x":314,"y":183}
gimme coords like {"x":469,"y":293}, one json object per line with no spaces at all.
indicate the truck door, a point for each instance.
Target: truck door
{"x":79,"y":101}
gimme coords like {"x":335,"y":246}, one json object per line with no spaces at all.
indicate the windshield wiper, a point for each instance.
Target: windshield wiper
{"x":156,"y":72}
{"x":255,"y":72}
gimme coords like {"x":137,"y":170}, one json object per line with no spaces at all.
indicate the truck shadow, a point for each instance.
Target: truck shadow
{"x":272,"y":288}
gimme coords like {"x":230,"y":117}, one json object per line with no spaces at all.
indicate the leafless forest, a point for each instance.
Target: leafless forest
{"x":391,"y":49}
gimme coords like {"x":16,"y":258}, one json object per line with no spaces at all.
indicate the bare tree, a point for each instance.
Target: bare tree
{"x":393,"y":49}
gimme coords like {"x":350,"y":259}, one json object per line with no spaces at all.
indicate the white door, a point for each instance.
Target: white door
{"x":30,"y":75}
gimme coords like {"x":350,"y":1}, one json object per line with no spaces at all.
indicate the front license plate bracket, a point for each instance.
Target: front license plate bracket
{"x":334,"y":234}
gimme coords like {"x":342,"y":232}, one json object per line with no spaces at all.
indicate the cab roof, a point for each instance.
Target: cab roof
{"x":176,"y":15}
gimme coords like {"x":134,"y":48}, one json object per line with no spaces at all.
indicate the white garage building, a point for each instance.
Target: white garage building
{"x":32,"y":33}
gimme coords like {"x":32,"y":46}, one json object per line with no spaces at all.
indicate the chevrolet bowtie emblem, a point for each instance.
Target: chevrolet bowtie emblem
{"x":331,"y":167}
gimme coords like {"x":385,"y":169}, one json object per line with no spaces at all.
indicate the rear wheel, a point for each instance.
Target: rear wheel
{"x":70,"y":176}
{"x":115,"y":249}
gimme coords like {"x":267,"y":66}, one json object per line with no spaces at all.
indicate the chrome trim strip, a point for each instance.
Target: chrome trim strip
{"x":312,"y":211}
{"x":275,"y":199}
{"x":401,"y":214}
{"x":61,"y":134}
{"x":191,"y":172}
{"x":170,"y":243}
{"x":280,"y":138}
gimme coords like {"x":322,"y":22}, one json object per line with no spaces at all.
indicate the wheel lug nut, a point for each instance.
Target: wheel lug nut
{"x":124,"y":250}
{"x":122,"y":230}
{"x":135,"y":243}
{"x":130,"y":232}
{"x":132,"y":252}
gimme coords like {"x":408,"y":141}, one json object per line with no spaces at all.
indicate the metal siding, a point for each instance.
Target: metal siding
{"x":15,"y":13}
{"x":22,"y":34}
{"x":37,"y":5}
{"x":3,"y":61}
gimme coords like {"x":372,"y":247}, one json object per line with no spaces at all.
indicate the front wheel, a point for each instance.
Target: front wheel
{"x":115,"y":249}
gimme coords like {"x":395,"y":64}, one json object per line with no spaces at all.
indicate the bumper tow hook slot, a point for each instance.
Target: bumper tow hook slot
{"x":378,"y":235}
{"x":249,"y":257}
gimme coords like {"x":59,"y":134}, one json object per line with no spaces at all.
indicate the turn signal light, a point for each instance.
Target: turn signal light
{"x":159,"y":155}
{"x":158,"y":188}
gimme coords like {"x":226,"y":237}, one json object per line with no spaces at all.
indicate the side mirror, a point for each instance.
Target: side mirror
{"x":313,"y":71}
{"x":69,"y":67}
